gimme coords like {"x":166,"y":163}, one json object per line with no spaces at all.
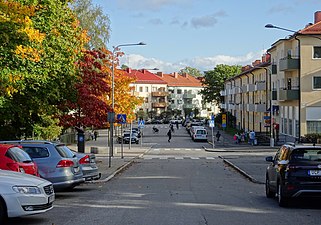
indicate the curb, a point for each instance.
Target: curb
{"x":242,"y":172}
{"x":248,"y":151}
{"x":119,"y":169}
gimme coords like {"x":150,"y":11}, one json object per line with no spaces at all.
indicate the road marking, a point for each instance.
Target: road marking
{"x":175,"y":158}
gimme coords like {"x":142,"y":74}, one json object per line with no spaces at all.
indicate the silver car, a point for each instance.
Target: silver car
{"x":88,"y":165}
{"x":56,"y":163}
{"x":22,"y":194}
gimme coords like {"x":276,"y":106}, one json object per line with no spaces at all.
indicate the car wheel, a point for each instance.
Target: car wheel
{"x":3,"y":211}
{"x":282,"y":200}
{"x":268,"y":192}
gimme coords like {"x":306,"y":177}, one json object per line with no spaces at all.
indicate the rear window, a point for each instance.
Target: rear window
{"x":18,"y":155}
{"x":64,"y":151}
{"x":201,"y":132}
{"x":36,"y":152}
{"x":306,"y":155}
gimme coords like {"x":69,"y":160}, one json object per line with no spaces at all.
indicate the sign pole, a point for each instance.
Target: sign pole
{"x":130,"y":135}
{"x":213,"y":137}
{"x":122,"y":141}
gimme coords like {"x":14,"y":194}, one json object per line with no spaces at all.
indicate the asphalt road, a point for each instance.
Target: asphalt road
{"x":176,"y":183}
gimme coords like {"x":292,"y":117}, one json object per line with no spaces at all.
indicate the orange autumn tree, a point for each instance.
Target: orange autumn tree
{"x":125,"y":101}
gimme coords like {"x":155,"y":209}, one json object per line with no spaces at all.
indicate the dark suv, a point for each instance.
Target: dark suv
{"x":295,"y":171}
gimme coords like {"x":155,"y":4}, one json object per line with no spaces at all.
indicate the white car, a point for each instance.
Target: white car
{"x":22,"y":194}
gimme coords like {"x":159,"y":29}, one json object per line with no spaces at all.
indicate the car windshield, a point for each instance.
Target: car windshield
{"x":201,"y":131}
{"x":64,"y":151}
{"x":18,"y":155}
{"x":307,"y":154}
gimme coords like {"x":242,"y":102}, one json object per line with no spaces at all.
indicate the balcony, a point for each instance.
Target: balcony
{"x":159,"y":93}
{"x":288,"y":95}
{"x":159,"y":104}
{"x":260,"y":107}
{"x":188,"y":106}
{"x":189,"y":96}
{"x":289,"y":64}
{"x":250,"y":107}
{"x":260,"y":86}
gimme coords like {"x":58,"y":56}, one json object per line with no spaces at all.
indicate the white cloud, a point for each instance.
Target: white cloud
{"x":201,"y":63}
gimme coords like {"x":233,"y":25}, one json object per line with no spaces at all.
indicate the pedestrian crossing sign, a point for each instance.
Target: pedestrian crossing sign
{"x":121,"y":118}
{"x":141,"y":123}
{"x":212,"y":123}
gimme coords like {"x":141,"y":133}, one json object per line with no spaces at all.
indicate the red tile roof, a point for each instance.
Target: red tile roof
{"x":178,"y":80}
{"x":312,"y":29}
{"x":144,"y":76}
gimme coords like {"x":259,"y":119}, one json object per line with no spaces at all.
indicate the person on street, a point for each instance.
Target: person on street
{"x":95,"y":135}
{"x":218,"y":135}
{"x":252,"y":137}
{"x":176,"y":124}
{"x":169,"y":134}
{"x":171,"y":126}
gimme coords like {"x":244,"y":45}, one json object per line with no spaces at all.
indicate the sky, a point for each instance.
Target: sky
{"x":201,"y":33}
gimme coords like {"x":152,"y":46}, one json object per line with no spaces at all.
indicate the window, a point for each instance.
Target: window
{"x":146,"y":89}
{"x":179,"y":91}
{"x":317,"y":52}
{"x":316,"y":82}
{"x":140,"y":89}
{"x":36,"y":152}
{"x":146,"y":100}
{"x":313,"y":127}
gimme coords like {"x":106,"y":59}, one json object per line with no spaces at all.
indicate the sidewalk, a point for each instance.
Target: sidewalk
{"x":110,"y":166}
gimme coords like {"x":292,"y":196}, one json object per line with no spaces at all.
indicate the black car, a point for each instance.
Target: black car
{"x":294,"y":171}
{"x":126,"y":138}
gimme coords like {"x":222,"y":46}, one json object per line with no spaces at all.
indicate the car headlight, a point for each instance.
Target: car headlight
{"x":26,"y":189}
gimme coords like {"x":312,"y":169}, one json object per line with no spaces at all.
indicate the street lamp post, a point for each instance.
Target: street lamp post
{"x":115,"y":48}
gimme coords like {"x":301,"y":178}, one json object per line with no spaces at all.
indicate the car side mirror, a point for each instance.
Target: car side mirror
{"x":269,"y":159}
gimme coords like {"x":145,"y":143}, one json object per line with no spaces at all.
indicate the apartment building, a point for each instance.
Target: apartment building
{"x":297,"y":81}
{"x":151,"y":88}
{"x":247,"y":97}
{"x":288,"y":79}
{"x":184,"y":95}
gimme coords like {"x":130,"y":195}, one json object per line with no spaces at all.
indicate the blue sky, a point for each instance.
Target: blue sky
{"x":201,"y":33}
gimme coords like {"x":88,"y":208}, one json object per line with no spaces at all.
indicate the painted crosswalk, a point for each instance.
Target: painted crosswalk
{"x":149,"y":157}
{"x":176,"y":149}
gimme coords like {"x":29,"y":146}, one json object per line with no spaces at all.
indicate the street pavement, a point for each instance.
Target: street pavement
{"x":246,"y":159}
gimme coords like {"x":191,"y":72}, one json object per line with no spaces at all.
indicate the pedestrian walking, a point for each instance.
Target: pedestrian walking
{"x":95,"y":135}
{"x":171,"y":127}
{"x":169,"y":134}
{"x":176,"y":124}
{"x":218,"y":135}
{"x":252,"y":137}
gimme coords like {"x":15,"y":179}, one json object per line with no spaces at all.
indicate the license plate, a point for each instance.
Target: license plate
{"x":314,"y":172}
{"x":51,"y":198}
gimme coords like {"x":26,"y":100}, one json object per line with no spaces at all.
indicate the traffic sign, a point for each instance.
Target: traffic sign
{"x":212,"y":124}
{"x":121,"y":118}
{"x":212,"y":117}
{"x":141,"y":123}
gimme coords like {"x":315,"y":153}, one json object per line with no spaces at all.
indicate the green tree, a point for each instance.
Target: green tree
{"x":214,"y":81}
{"x":191,"y":71}
{"x":38,"y":65}
{"x":93,"y":19}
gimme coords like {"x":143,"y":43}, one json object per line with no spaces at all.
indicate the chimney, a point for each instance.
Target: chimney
{"x":160,"y":74}
{"x":317,"y":16}
{"x":185,"y":75}
{"x":129,"y":70}
{"x":144,"y":71}
{"x":175,"y":74}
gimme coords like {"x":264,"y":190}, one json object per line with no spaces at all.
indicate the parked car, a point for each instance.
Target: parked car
{"x":126,"y":138}
{"x":88,"y":165}
{"x":56,"y":163}
{"x":294,"y":171}
{"x":199,"y":134}
{"x":193,"y":128}
{"x":14,"y":158}
{"x":135,"y":131}
{"x":23,"y":194}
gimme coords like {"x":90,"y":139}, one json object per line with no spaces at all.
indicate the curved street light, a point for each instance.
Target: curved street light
{"x":115,"y":48}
